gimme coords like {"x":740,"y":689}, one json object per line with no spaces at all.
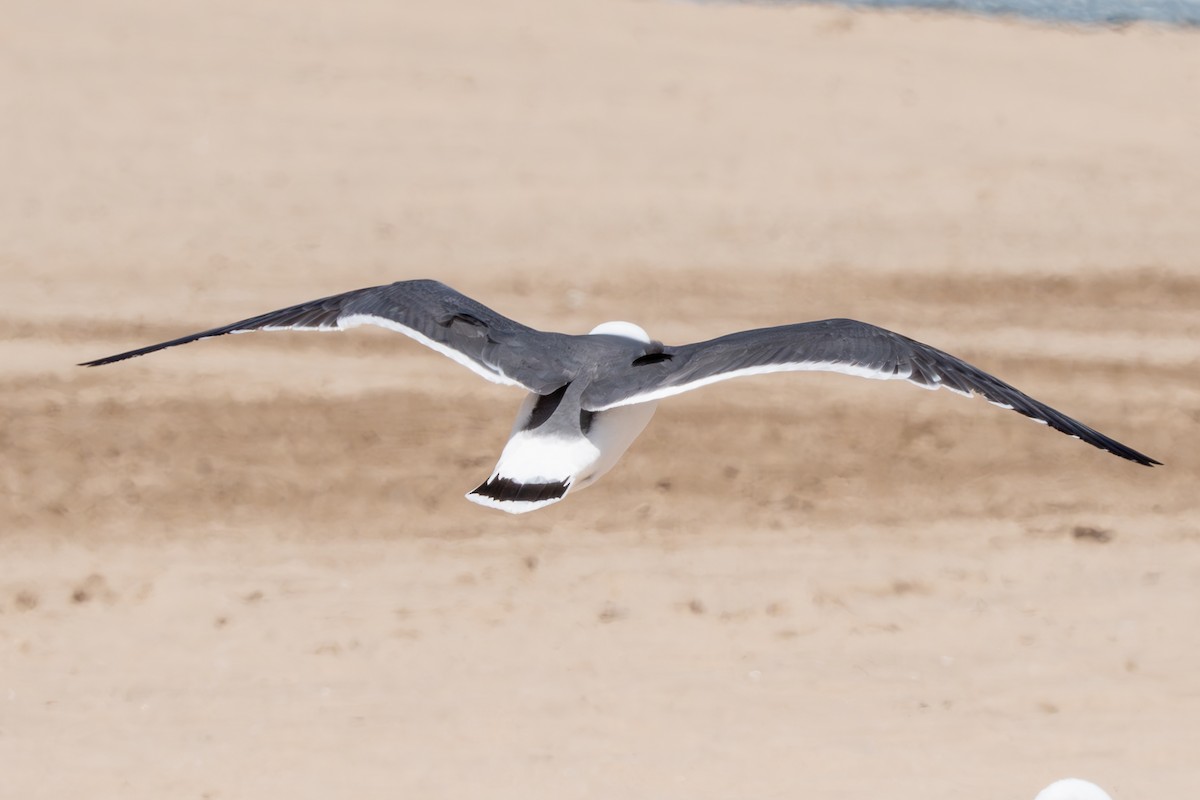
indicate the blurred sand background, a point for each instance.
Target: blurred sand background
{"x":245,"y":569}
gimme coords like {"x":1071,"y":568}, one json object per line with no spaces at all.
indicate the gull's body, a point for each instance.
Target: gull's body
{"x":590,"y":396}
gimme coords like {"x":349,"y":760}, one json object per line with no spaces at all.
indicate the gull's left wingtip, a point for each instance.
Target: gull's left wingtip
{"x":99,"y":362}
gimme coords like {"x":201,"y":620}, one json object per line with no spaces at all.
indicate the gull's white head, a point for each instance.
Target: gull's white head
{"x":626,"y":329}
{"x":1072,"y":789}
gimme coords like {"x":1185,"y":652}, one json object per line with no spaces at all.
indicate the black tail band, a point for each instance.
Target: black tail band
{"x":507,"y":490}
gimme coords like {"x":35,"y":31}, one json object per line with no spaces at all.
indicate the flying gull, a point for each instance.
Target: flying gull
{"x":590,"y":396}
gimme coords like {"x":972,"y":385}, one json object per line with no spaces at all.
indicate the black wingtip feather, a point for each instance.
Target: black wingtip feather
{"x":957,"y":374}
{"x":141,"y":351}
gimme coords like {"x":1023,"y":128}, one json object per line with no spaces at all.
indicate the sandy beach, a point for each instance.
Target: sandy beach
{"x":245,"y":568}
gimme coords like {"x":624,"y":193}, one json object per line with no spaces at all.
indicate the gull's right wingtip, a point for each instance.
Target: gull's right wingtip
{"x":1129,"y":454}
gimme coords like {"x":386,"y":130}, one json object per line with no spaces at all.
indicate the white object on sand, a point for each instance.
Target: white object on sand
{"x":1072,"y":789}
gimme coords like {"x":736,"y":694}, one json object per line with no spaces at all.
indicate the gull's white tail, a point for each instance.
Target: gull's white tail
{"x":539,"y":467}
{"x":534,"y":471}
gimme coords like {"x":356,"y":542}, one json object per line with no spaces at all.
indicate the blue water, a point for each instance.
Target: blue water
{"x":1096,"y":12}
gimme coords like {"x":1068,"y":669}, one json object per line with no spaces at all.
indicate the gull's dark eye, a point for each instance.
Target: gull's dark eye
{"x":651,"y":358}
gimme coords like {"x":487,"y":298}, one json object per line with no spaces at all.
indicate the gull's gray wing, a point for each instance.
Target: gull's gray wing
{"x":833,"y":345}
{"x":487,"y":343}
